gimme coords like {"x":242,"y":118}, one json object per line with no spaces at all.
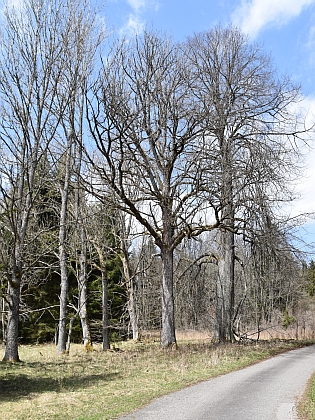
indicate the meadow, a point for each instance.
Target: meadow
{"x":103,"y":385}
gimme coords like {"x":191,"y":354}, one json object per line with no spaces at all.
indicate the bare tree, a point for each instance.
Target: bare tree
{"x":129,"y":272}
{"x":41,"y":46}
{"x":253,"y":135}
{"x":195,"y":273}
{"x":31,"y":59}
{"x":101,"y":230}
{"x":147,"y":275}
{"x":146,"y":130}
{"x":82,"y":37}
{"x":81,"y":257}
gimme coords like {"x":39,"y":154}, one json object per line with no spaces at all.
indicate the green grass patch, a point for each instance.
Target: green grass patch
{"x":306,"y":406}
{"x":104,"y":385}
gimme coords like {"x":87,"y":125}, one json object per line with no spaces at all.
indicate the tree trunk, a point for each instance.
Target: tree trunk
{"x":82,"y":284}
{"x":62,"y":330}
{"x":12,"y":333}
{"x":225,"y":289}
{"x":3,"y":320}
{"x":64,"y":283}
{"x":71,"y":322}
{"x":131,"y":306}
{"x":14,"y":289}
{"x":106,"y":344}
{"x":226,"y":261}
{"x":132,"y":312}
{"x":86,"y":334}
{"x":168,"y":337}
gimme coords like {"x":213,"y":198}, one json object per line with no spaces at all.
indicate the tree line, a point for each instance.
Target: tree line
{"x":142,"y":179}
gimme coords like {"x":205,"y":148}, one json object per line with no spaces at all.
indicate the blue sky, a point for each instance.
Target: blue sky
{"x":285,"y":28}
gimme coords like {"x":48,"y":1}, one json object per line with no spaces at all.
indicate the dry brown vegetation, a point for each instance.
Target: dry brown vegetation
{"x":103,"y":385}
{"x":306,"y":406}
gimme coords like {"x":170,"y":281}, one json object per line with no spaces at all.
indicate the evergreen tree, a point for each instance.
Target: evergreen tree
{"x":310,"y":279}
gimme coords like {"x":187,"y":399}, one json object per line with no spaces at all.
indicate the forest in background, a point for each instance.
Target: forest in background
{"x":142,"y":183}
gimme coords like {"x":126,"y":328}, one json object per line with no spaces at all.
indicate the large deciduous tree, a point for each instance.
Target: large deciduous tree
{"x":145,"y":129}
{"x":252,"y":135}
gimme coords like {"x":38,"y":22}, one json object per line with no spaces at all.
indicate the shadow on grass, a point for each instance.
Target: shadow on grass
{"x":14,"y":385}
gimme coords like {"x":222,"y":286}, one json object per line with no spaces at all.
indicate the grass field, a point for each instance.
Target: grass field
{"x":103,"y":385}
{"x":306,"y":407}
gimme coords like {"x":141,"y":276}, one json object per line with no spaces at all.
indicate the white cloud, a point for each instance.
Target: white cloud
{"x":253,"y":15}
{"x":305,"y":188}
{"x":134,"y":26}
{"x":136,"y":21}
{"x":311,"y":46}
{"x":143,"y":4}
{"x":137,"y":4}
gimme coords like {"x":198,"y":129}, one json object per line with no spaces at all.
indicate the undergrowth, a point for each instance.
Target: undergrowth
{"x":104,"y":385}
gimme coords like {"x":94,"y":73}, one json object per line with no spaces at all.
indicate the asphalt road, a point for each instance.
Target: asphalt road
{"x":265,"y":391}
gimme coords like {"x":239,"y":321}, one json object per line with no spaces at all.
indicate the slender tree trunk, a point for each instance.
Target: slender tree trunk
{"x":64,"y":283}
{"x":71,"y":323}
{"x":168,"y":337}
{"x":64,"y":286}
{"x":106,"y":344}
{"x":82,"y":275}
{"x":86,"y":334}
{"x":128,"y":276}
{"x":82,"y":284}
{"x":102,"y":268}
{"x":131,"y":305}
{"x":3,"y":323}
{"x":132,"y":311}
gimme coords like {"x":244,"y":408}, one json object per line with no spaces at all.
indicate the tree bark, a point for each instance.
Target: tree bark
{"x":22,"y":221}
{"x":131,"y":305}
{"x":225,"y":288}
{"x":106,"y":344}
{"x":168,"y":337}
{"x":64,"y":284}
{"x":3,"y":319}
{"x":12,"y":332}
{"x":83,"y":296}
{"x":132,"y":311}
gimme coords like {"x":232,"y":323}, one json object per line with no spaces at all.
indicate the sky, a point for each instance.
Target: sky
{"x":284,"y":28}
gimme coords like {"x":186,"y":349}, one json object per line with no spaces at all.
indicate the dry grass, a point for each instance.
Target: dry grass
{"x":98,"y":385}
{"x":277,"y":332}
{"x":306,"y":406}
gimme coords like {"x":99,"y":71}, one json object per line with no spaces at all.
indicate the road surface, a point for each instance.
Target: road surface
{"x":265,"y":391}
